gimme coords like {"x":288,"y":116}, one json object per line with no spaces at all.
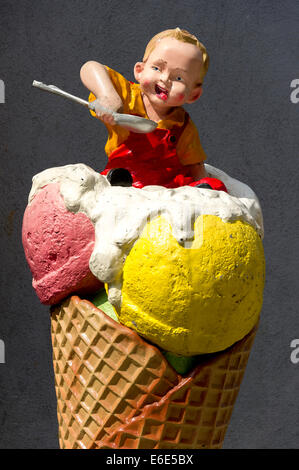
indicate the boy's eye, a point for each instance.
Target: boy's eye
{"x":179,"y":79}
{"x":154,"y":67}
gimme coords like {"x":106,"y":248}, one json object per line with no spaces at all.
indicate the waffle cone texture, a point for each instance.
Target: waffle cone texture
{"x":116,"y":391}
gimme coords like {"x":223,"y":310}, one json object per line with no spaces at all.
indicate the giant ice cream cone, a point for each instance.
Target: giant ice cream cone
{"x":114,"y":390}
{"x":184,"y":272}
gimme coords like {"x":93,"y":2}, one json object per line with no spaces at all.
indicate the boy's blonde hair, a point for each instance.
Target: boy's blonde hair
{"x":184,"y":36}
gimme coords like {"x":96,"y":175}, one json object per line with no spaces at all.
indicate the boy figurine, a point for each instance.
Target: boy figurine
{"x":170,"y":75}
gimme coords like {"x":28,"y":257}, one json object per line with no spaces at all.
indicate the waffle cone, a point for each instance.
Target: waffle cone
{"x":114,"y":390}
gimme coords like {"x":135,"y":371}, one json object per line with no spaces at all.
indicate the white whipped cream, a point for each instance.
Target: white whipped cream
{"x":119,"y":214}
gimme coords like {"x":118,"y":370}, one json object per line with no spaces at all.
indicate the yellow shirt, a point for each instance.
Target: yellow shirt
{"x":189,"y":149}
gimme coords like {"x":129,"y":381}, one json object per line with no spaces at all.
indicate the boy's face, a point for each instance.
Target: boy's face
{"x":169,"y":77}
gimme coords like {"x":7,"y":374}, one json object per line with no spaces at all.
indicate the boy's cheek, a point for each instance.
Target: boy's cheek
{"x":181,"y":96}
{"x":145,"y":85}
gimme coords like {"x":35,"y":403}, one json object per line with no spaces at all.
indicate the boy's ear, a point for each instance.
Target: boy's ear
{"x":195,"y":94}
{"x":138,"y":69}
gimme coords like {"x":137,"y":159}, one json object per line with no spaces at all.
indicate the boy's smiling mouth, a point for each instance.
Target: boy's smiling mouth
{"x":162,"y":93}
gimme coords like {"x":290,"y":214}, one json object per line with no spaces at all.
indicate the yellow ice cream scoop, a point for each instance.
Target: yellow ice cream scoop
{"x":194,"y":299}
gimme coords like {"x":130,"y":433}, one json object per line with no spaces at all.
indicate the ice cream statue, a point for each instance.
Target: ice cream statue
{"x":154,"y":268}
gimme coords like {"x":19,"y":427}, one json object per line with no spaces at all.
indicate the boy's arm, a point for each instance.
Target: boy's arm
{"x":198,"y":171}
{"x":191,"y":153}
{"x":96,"y":78}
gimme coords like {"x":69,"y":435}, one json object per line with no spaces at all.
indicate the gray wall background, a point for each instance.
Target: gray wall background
{"x":248,"y":127}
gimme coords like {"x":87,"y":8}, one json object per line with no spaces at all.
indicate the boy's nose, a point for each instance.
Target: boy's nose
{"x":165,"y":76}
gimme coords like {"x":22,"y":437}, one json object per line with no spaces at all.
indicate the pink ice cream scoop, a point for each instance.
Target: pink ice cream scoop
{"x":58,"y":245}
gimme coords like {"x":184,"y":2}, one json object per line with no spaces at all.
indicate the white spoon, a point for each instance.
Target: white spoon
{"x":128,"y":121}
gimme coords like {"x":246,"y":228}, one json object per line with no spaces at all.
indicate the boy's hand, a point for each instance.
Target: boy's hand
{"x":104,"y":109}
